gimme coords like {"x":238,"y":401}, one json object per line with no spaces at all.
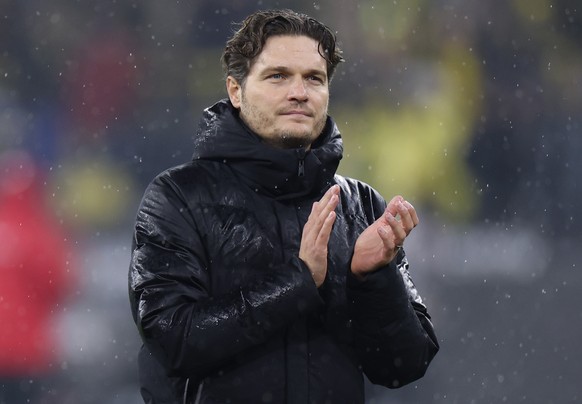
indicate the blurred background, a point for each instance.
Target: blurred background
{"x":470,"y":109}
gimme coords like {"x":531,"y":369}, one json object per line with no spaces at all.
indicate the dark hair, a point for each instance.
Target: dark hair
{"x":248,"y":41}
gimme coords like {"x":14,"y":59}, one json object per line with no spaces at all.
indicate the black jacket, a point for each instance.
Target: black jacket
{"x":227,"y":311}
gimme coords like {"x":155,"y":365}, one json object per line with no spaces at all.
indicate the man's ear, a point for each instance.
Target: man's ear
{"x":233,"y":88}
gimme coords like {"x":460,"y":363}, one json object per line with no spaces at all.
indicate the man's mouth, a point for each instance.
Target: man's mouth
{"x":297,"y":112}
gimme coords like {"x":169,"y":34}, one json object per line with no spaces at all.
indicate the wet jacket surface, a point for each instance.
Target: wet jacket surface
{"x":228,"y":312}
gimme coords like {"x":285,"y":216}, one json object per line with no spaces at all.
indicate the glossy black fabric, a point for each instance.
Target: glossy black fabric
{"x":228,"y":312}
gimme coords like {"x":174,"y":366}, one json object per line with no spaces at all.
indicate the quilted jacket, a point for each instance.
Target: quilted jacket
{"x":227,"y":311}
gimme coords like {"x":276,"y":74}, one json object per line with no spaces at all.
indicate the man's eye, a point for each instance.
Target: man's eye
{"x":316,"y":79}
{"x":277,"y":76}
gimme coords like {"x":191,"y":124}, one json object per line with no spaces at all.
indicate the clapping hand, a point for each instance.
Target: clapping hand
{"x":316,"y":233}
{"x":380,"y":242}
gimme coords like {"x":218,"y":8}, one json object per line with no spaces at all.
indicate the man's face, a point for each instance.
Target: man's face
{"x":285,"y":95}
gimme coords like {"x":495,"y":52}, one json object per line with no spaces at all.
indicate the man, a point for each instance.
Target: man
{"x":258,"y":275}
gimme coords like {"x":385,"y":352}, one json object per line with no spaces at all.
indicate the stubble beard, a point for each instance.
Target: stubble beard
{"x":260,"y":124}
{"x":289,"y":140}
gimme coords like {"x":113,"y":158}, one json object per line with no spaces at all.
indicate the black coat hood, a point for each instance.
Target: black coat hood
{"x":282,"y":174}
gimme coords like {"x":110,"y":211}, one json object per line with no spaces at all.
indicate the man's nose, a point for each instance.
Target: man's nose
{"x":298,"y":90}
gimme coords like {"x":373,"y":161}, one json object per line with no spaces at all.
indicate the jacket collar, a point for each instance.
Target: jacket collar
{"x":282,"y":174}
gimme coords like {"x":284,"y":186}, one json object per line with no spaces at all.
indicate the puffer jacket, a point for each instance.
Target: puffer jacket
{"x":227,"y":311}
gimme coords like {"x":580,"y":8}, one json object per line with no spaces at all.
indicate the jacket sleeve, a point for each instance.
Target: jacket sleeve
{"x":189,"y":331}
{"x":394,"y":336}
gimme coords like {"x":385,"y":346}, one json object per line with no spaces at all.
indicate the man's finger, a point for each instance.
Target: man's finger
{"x":392,"y":205}
{"x":413,"y":213}
{"x":319,"y":212}
{"x":390,"y":245}
{"x":397,"y":230}
{"x":318,"y":207}
{"x":333,"y":190}
{"x":405,"y":217}
{"x":325,"y":233}
{"x":329,"y":207}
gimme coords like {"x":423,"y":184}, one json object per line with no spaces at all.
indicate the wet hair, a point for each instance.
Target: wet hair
{"x":249,"y":39}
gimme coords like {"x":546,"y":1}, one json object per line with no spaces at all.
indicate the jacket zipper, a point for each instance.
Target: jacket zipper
{"x":301,"y":155}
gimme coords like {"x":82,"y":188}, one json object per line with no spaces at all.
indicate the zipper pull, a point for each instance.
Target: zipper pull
{"x":301,"y":171}
{"x":301,"y":155}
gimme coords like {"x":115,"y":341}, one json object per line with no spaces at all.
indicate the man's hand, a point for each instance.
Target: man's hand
{"x":316,"y":233}
{"x":380,"y":242}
